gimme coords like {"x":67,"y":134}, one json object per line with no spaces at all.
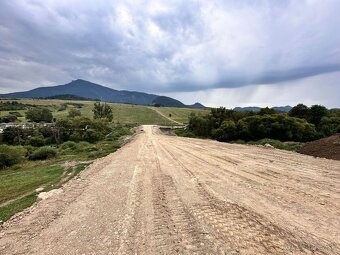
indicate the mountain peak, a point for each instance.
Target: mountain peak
{"x":86,"y":89}
{"x":78,"y":81}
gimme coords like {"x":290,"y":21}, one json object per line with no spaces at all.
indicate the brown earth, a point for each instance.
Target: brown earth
{"x":328,"y":147}
{"x":171,"y":195}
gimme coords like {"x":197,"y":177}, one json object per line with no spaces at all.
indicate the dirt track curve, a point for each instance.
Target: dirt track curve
{"x":171,"y":195}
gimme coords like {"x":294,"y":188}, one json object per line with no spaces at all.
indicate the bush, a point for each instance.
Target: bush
{"x":18,"y":114}
{"x":43,"y":153}
{"x":102,"y":111}
{"x":39,"y":115}
{"x":11,"y":155}
{"x":36,"y":141}
{"x":8,"y":118}
{"x":73,"y":112}
{"x":69,"y":145}
{"x":63,"y":107}
{"x":82,"y":146}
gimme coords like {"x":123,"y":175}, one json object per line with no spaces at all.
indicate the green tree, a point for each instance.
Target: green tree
{"x":226,"y":132}
{"x":102,"y":111}
{"x":329,"y":126}
{"x":299,"y":111}
{"x":267,"y":110}
{"x":317,"y":112}
{"x":74,"y":113}
{"x":39,"y":115}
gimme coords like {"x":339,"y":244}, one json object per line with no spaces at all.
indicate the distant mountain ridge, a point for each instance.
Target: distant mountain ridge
{"x":286,"y":108}
{"x":85,"y":89}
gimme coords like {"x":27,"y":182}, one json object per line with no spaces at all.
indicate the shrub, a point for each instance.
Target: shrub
{"x":102,"y":111}
{"x":63,"y":107}
{"x":36,"y":141}
{"x":73,"y":112}
{"x":43,"y":153}
{"x":10,"y":155}
{"x":39,"y":115}
{"x":69,"y":145}
{"x":83,"y":146}
{"x":8,"y":118}
{"x":18,"y":114}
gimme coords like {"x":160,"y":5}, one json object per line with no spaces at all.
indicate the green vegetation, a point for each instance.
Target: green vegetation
{"x":9,"y":210}
{"x":39,"y":115}
{"x":73,"y":112}
{"x":289,"y":146}
{"x":180,"y":114}
{"x":12,"y":106}
{"x":301,"y":124}
{"x":11,"y":155}
{"x":102,"y":111}
{"x":9,"y":118}
{"x":137,"y":115}
{"x":43,"y":153}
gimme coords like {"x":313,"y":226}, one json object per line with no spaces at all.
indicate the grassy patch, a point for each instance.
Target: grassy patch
{"x":26,"y":178}
{"x":18,"y":182}
{"x":8,"y":211}
{"x":180,"y":114}
{"x":123,"y":113}
{"x":185,"y":133}
{"x":289,"y":146}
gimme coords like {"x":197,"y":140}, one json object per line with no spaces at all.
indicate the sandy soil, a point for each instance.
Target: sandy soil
{"x":171,"y":195}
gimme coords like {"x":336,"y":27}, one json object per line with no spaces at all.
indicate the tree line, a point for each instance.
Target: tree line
{"x":301,"y":123}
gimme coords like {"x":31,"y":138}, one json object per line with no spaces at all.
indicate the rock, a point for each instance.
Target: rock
{"x":46,"y":195}
{"x":267,"y":145}
{"x":39,"y":189}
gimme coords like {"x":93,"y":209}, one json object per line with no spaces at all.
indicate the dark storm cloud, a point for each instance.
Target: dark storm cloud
{"x":166,"y":45}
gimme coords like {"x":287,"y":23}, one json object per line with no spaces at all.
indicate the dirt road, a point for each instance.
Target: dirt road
{"x":164,"y":116}
{"x":170,"y":195}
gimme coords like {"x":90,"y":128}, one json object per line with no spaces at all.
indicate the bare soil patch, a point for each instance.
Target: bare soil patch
{"x":328,"y":147}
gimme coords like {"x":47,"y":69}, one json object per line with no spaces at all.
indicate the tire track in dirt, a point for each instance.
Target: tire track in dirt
{"x":175,"y":230}
{"x":253,"y":234}
{"x":297,"y":190}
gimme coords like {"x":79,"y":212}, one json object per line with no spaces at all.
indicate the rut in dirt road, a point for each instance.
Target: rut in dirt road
{"x":171,"y":195}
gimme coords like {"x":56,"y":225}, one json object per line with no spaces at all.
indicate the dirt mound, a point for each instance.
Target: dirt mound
{"x":328,"y":147}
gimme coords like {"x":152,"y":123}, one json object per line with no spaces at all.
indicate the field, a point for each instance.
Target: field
{"x":122,"y":113}
{"x":187,"y":196}
{"x":180,"y":114}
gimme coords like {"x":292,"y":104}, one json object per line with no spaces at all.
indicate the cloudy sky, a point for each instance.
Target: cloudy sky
{"x":230,"y":53}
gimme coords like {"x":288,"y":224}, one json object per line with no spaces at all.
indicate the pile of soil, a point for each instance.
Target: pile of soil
{"x":328,"y":147}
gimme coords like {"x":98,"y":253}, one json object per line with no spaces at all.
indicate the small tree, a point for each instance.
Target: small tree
{"x":39,"y":115}
{"x":299,"y":111}
{"x":74,"y":113}
{"x":102,"y":111}
{"x":316,"y":114}
{"x":267,"y":110}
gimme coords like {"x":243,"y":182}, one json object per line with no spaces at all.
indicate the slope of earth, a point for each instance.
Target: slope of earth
{"x":180,"y":114}
{"x":328,"y":147}
{"x":172,"y":195}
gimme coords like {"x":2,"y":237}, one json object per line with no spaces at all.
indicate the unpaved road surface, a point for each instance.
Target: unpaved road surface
{"x":171,"y":195}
